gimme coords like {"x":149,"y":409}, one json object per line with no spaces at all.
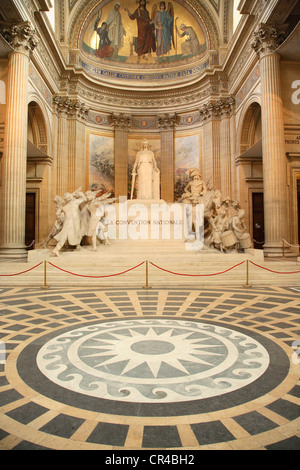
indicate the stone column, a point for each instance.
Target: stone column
{"x":166,"y":124}
{"x":23,"y":41}
{"x":76,"y":146}
{"x":122,"y":123}
{"x":210,"y":117}
{"x":62,"y":108}
{"x":226,"y":108}
{"x":267,"y":38}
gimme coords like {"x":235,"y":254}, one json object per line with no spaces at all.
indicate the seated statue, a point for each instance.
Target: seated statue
{"x":239,"y":227}
{"x":195,"y":189}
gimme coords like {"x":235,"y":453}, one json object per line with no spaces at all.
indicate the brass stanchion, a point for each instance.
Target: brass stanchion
{"x":45,"y":276}
{"x":147,"y":277}
{"x":247,"y":274}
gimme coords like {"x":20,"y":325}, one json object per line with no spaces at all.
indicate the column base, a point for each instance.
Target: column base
{"x":13,"y":252}
{"x":276,"y":250}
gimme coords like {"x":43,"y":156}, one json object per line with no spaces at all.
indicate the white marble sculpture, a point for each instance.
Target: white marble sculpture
{"x":98,"y":223}
{"x":70,"y":232}
{"x":59,"y":220}
{"x":146,"y":174}
{"x":224,"y":227}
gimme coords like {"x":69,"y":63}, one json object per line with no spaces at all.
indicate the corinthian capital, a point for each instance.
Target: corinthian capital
{"x":21,"y":36}
{"x":267,"y":38}
{"x":121,"y":121}
{"x":166,"y":121}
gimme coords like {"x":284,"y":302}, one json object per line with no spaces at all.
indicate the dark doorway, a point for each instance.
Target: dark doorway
{"x":258,"y":220}
{"x":30,"y":220}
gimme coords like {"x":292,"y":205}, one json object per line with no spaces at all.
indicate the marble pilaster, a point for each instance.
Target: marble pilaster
{"x":122,"y":123}
{"x":23,"y":41}
{"x":210,"y":117}
{"x":166,"y":124}
{"x":226,"y":108}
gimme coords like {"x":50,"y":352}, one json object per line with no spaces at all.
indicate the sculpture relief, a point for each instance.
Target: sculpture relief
{"x":79,"y":215}
{"x":224,"y":226}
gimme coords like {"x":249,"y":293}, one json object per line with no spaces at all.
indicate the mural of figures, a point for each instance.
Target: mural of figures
{"x":187,"y":155}
{"x":143,"y":32}
{"x":101,"y":163}
{"x":163,"y":19}
{"x":145,"y":38}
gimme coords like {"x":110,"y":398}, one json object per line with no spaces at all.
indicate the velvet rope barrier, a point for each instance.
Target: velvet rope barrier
{"x":276,"y":272}
{"x":22,"y":272}
{"x":97,"y":277}
{"x":197,"y":275}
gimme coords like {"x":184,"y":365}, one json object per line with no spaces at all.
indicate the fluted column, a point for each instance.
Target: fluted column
{"x":122,"y":122}
{"x":267,"y":38}
{"x":210,"y":116}
{"x":226,"y":107}
{"x":166,"y":125}
{"x":23,"y":40}
{"x":76,"y":145}
{"x":62,"y":107}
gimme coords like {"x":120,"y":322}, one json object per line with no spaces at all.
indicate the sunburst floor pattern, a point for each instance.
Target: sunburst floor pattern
{"x":125,"y":369}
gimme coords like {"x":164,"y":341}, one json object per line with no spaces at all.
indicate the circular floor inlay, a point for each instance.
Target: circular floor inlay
{"x":153,"y":360}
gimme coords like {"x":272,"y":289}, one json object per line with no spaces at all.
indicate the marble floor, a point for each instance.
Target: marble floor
{"x":127,"y":369}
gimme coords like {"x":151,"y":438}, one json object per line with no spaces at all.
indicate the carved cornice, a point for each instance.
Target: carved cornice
{"x":21,"y":36}
{"x":267,"y":38}
{"x":71,"y":108}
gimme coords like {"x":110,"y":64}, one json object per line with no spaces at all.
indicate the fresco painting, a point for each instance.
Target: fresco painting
{"x":187,"y":152}
{"x":101,"y":163}
{"x":143,"y":32}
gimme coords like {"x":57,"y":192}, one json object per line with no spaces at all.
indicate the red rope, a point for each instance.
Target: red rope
{"x":180,"y":274}
{"x":108,"y":275}
{"x":276,"y":272}
{"x":22,"y":272}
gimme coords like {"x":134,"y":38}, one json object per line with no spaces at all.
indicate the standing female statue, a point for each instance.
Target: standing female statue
{"x":147,"y":172}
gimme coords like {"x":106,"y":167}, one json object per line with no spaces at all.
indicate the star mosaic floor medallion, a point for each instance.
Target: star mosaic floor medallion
{"x":125,"y":369}
{"x":153,"y":360}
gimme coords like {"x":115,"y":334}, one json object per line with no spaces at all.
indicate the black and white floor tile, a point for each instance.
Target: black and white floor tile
{"x":125,"y":369}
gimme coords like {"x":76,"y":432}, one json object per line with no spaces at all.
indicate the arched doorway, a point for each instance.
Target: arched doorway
{"x":37,"y":157}
{"x":251,"y":171}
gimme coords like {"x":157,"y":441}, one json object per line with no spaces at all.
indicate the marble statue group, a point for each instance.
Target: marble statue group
{"x":82,"y":216}
{"x":224,"y":226}
{"x":79,"y":215}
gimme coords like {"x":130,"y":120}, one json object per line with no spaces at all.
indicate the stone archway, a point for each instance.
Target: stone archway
{"x":250,"y":170}
{"x":38,"y":160}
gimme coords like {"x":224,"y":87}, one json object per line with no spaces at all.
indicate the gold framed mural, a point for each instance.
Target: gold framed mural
{"x":100,"y":162}
{"x":188,"y":154}
{"x":146,"y":32}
